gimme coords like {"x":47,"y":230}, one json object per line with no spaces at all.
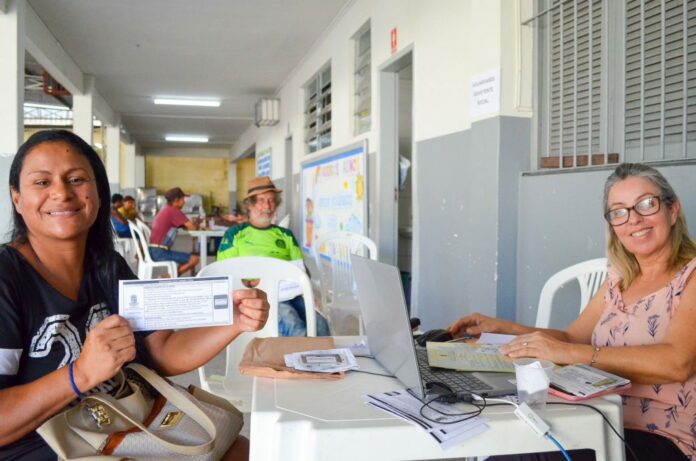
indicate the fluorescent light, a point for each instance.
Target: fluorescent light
{"x":185,"y":138}
{"x":188,"y":102}
{"x":37,"y":105}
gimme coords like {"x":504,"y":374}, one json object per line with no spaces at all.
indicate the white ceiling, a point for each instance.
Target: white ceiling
{"x":235,"y":50}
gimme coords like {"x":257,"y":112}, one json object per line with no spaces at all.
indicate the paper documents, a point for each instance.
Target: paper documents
{"x":443,"y":422}
{"x":322,"y":361}
{"x":165,"y":304}
{"x":585,"y":381}
{"x":495,"y":338}
{"x":468,"y":357}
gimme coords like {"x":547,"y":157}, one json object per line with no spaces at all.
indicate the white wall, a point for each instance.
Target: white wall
{"x":453,"y":41}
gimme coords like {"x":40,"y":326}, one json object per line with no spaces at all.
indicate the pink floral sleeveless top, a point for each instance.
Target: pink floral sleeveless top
{"x":665,"y":409}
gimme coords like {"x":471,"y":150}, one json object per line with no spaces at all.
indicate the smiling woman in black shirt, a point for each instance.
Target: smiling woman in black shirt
{"x":58,"y":297}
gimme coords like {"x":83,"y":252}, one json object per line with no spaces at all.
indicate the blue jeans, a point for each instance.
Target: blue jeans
{"x":292,"y":320}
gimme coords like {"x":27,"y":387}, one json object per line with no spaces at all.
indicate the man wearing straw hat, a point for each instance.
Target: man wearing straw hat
{"x":260,"y":237}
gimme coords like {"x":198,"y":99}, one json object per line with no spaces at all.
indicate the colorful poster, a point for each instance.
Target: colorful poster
{"x":334,"y":196}
{"x":263,"y":163}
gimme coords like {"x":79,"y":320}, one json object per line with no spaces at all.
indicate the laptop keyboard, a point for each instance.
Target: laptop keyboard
{"x":456,"y":380}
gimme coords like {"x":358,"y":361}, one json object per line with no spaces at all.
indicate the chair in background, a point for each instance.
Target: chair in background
{"x":337,"y":286}
{"x":285,"y":222}
{"x":144,"y":228}
{"x":146,"y":265}
{"x":233,"y":386}
{"x":126,"y":248}
{"x":589,"y":274}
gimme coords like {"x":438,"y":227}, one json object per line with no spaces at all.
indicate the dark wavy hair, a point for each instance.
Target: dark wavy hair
{"x":100,"y":256}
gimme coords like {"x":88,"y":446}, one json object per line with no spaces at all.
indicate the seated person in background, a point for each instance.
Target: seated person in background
{"x":259,"y":237}
{"x":118,"y":221}
{"x":640,"y":323}
{"x":128,"y":210}
{"x":59,"y":332}
{"x":164,"y":228}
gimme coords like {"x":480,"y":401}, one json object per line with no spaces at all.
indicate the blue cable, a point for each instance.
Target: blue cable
{"x":560,"y":447}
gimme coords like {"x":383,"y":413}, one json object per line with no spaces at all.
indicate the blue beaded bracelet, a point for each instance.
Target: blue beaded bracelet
{"x":72,"y":383}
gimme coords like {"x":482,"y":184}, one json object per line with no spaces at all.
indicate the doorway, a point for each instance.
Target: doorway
{"x":396,"y":168}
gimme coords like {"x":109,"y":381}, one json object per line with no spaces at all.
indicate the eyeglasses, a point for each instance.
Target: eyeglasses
{"x":646,"y":207}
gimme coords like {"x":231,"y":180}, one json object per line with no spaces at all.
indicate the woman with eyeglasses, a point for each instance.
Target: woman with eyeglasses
{"x":640,"y":324}
{"x":59,"y":335}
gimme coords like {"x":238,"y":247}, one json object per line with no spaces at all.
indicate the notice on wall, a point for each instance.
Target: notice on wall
{"x":485,"y":93}
{"x":263,"y":163}
{"x":333,"y":194}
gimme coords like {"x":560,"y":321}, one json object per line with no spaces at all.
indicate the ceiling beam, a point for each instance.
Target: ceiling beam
{"x":43,"y":46}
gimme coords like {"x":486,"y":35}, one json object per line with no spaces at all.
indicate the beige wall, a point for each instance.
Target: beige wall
{"x":204,"y":176}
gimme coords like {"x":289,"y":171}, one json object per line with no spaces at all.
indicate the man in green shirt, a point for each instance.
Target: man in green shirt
{"x":259,"y":237}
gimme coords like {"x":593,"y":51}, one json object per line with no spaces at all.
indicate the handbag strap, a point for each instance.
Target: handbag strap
{"x":174,"y":396}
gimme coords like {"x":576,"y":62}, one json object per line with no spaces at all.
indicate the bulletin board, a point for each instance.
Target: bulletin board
{"x":333,"y":193}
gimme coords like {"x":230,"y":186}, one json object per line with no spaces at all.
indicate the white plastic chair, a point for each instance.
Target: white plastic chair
{"x":337,"y":285}
{"x":144,"y":228}
{"x":285,"y":222}
{"x":233,"y":386}
{"x":589,"y":274}
{"x":126,"y":248}
{"x":146,"y":265}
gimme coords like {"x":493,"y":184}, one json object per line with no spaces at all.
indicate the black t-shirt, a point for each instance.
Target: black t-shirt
{"x":41,"y":330}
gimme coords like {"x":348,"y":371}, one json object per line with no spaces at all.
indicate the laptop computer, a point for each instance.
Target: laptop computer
{"x":389,"y":336}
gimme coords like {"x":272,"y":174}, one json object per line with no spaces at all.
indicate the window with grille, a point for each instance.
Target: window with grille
{"x":616,"y":79}
{"x":362,"y":81}
{"x":318,"y":110}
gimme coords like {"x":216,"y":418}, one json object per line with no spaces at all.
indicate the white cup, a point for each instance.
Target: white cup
{"x":532,"y":377}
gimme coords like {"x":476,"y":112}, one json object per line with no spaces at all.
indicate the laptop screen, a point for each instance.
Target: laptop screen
{"x":385,"y":315}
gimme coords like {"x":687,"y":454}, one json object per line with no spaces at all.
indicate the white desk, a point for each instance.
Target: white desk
{"x":320,"y":420}
{"x":203,"y":242}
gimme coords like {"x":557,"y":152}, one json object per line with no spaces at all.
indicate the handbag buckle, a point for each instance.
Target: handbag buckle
{"x":171,"y":419}
{"x":98,"y":414}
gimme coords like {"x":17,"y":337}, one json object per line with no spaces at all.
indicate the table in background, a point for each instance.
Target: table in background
{"x":203,"y":242}
{"x":319,"y":420}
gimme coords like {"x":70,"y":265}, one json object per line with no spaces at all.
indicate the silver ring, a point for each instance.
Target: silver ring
{"x":525,"y":344}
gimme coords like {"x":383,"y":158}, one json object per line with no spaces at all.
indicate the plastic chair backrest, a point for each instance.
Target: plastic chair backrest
{"x":271,"y":272}
{"x":140,"y":243}
{"x":285,"y":222}
{"x":589,"y":274}
{"x":144,"y":228}
{"x":336,"y":274}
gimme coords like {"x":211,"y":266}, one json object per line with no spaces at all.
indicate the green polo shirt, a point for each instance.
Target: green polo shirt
{"x":247,"y":240}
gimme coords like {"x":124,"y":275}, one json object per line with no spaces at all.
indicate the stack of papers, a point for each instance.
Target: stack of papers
{"x":323,"y":361}
{"x":408,"y":407}
{"x":583,"y":381}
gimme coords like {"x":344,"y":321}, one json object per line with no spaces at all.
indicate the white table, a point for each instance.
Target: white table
{"x":319,"y":420}
{"x":203,"y":242}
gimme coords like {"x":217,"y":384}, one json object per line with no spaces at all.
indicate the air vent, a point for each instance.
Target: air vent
{"x":267,"y":112}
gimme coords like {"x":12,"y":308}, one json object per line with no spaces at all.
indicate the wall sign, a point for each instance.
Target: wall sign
{"x":263,"y":163}
{"x":334,"y":193}
{"x":485,"y":93}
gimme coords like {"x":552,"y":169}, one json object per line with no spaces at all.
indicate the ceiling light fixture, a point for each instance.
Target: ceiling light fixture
{"x":187,"y":102}
{"x":185,"y":138}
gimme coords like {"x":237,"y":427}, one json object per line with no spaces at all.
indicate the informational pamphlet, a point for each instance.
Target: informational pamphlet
{"x":164,"y":304}
{"x":583,"y":381}
{"x":468,"y":357}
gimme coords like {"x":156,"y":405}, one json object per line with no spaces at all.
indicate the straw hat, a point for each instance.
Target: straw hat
{"x":260,"y":185}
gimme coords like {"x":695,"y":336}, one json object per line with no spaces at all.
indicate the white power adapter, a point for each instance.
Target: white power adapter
{"x":533,"y":420}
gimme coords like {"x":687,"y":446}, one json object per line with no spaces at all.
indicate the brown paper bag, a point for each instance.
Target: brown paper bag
{"x":264,"y":357}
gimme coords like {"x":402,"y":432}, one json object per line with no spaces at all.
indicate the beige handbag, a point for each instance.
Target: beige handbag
{"x":176,"y":424}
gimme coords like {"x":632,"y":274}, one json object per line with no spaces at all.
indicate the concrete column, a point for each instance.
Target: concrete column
{"x":12,"y":29}
{"x":113,"y":157}
{"x":128,"y":167}
{"x":139,"y":171}
{"x":83,"y":111}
